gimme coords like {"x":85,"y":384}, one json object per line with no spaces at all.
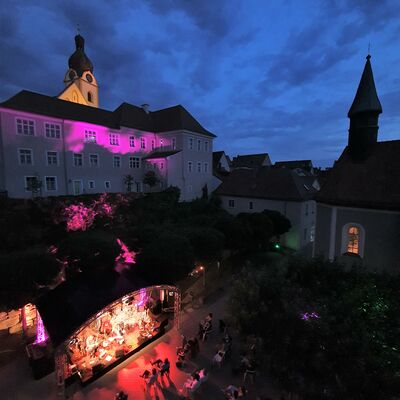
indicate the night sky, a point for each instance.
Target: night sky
{"x":264,"y":76}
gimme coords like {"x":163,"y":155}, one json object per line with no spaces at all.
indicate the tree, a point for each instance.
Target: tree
{"x":128,"y":182}
{"x":151,"y":179}
{"x":281,"y":224}
{"x":34,"y":185}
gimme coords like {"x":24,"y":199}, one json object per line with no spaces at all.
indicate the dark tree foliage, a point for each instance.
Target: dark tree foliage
{"x":281,"y":224}
{"x":150,"y":178}
{"x":347,"y":349}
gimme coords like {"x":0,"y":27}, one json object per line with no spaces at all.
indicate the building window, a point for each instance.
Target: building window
{"x":51,"y":183}
{"x":32,"y":183}
{"x":134,"y":162}
{"x":161,"y":165}
{"x":191,"y":141}
{"x":353,"y":240}
{"x":114,"y":139}
{"x":52,"y":131}
{"x":117,"y":161}
{"x":93,"y":160}
{"x":25,"y":156}
{"x":250,"y":205}
{"x":107,"y":184}
{"x":142,"y":143}
{"x":173,"y":143}
{"x":190,"y":188}
{"x":306,"y":209}
{"x":90,"y":136}
{"x":131,"y":141}
{"x":312,"y":233}
{"x":78,"y":160}
{"x":206,"y":146}
{"x":198,"y":145}
{"x":206,"y":167}
{"x":91,"y":184}
{"x":199,"y":167}
{"x":89,"y":97}
{"x":25,"y":127}
{"x":190,"y":166}
{"x":231,"y":203}
{"x":153,"y":144}
{"x":52,"y":158}
{"x":161,"y":142}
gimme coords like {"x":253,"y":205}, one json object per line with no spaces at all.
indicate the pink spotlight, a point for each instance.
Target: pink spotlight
{"x":41,"y":335}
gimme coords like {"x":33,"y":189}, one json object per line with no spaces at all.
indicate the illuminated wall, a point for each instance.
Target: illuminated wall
{"x":108,"y":175}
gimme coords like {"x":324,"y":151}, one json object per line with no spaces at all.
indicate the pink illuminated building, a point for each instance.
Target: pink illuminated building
{"x":71,"y":146}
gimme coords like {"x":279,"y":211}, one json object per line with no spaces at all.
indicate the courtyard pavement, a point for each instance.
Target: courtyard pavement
{"x":16,"y":382}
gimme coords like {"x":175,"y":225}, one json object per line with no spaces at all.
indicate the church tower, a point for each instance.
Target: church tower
{"x":364,"y":115}
{"x":81,"y":84}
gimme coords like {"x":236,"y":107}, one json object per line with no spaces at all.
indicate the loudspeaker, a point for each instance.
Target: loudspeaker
{"x":119,"y":353}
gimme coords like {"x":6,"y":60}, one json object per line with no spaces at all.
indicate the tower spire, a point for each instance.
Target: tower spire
{"x":364,"y":114}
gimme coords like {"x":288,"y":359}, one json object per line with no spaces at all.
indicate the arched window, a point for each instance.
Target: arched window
{"x":353,"y":239}
{"x":89,"y":97}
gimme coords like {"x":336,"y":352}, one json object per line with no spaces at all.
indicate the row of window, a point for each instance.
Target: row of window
{"x":53,"y":131}
{"x":200,"y":146}
{"x":201,"y":167}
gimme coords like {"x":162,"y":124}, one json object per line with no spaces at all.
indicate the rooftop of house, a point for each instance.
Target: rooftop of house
{"x":304,"y":164}
{"x":268,"y":183}
{"x":251,"y":160}
{"x":372,"y":183}
{"x":164,"y":120}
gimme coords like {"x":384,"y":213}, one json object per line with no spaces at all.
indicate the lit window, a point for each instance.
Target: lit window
{"x":161,"y":142}
{"x":78,"y":160}
{"x":206,"y":145}
{"x":134,"y":162}
{"x":190,"y":166}
{"x":93,"y":160}
{"x":353,"y":240}
{"x":161,"y":165}
{"x":173,"y":143}
{"x":199,"y":167}
{"x":250,"y":205}
{"x":191,"y":140}
{"x":107,"y":184}
{"x":25,"y":127}
{"x":142,"y":143}
{"x":152,"y":144}
{"x":199,"y":145}
{"x":205,"y":167}
{"x":52,"y":158}
{"x":231,"y":203}
{"x":51,"y":183}
{"x":117,"y":162}
{"x":90,"y":137}
{"x":25,"y":157}
{"x":131,"y":141}
{"x":114,"y":139}
{"x":52,"y":131}
{"x":91,"y":185}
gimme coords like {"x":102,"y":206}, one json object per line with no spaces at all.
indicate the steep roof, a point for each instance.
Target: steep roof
{"x":373,"y":183}
{"x":250,"y":160}
{"x":305,"y":164}
{"x":267,"y":183}
{"x":168,"y":119}
{"x":366,"y":98}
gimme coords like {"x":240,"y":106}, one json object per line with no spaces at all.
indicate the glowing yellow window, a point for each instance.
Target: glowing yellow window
{"x":353,"y":243}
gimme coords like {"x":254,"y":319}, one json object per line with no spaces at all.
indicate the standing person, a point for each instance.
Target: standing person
{"x":165,"y":367}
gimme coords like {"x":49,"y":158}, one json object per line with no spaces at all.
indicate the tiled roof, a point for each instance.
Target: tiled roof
{"x":250,"y":160}
{"x":168,"y":119}
{"x":161,"y":154}
{"x":373,"y":183}
{"x":267,"y":183}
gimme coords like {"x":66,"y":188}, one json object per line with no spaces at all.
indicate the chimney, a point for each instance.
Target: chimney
{"x":145,"y":108}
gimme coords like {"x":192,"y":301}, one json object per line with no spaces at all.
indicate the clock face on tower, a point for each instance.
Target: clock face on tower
{"x":89,"y":78}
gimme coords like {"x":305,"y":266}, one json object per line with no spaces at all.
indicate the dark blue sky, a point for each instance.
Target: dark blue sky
{"x":265,"y":76}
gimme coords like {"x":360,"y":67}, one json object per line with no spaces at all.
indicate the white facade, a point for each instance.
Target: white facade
{"x":74,"y":157}
{"x":302,"y":216}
